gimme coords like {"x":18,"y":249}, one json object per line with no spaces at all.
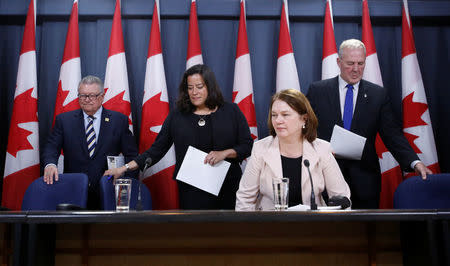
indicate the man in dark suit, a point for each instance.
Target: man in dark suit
{"x":365,"y":109}
{"x":87,"y":136}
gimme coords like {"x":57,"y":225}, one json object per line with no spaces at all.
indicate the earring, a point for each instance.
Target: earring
{"x":303,"y":126}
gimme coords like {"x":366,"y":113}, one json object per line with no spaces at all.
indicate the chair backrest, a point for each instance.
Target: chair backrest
{"x":107,"y":195}
{"x":70,"y":188}
{"x":415,"y":193}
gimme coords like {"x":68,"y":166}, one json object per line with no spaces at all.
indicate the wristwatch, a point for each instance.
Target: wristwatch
{"x":127,"y":166}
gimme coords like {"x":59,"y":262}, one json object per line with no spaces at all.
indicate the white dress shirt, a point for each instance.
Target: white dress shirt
{"x":97,"y":121}
{"x":343,"y":92}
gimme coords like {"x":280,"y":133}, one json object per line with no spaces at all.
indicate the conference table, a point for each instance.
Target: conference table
{"x":219,"y":237}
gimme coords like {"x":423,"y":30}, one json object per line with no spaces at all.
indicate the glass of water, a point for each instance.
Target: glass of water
{"x":123,"y":194}
{"x":280,"y":193}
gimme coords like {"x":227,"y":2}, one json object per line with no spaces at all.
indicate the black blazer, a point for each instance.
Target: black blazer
{"x":230,"y":130}
{"x":69,"y":135}
{"x":372,"y":114}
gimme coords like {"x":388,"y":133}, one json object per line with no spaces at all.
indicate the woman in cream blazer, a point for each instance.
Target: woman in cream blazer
{"x":293,"y":128}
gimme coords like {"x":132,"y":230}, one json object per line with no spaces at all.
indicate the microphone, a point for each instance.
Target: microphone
{"x":313,"y":198}
{"x":148,"y":163}
{"x":342,"y":201}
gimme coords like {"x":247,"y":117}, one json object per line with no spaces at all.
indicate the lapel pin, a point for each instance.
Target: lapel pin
{"x":365,"y":95}
{"x":106,"y":119}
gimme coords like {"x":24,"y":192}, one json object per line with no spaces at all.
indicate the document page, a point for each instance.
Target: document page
{"x":115,"y":161}
{"x":346,"y":144}
{"x":203,"y":176}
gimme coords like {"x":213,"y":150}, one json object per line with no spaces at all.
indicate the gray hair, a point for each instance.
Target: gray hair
{"x":88,"y":80}
{"x":351,"y":44}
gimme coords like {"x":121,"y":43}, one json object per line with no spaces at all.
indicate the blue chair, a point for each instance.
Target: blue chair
{"x":415,"y":193}
{"x":70,"y":188}
{"x":107,"y":195}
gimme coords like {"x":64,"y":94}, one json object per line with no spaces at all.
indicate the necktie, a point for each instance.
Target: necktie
{"x":90,"y":135}
{"x":348,"y":107}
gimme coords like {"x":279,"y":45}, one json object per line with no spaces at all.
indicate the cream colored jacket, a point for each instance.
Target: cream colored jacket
{"x":255,"y":189}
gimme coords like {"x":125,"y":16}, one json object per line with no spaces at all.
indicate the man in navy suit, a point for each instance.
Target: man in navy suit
{"x":86,"y":144}
{"x":369,"y":111}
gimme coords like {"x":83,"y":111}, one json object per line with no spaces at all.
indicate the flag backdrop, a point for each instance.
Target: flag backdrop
{"x":243,"y":84}
{"x":117,"y":94}
{"x":391,"y":174}
{"x":155,"y":108}
{"x":22,"y":153}
{"x":330,"y":68}
{"x":416,"y":116}
{"x":194,"y":50}
{"x":69,"y":74}
{"x":220,"y":25}
{"x":287,"y":75}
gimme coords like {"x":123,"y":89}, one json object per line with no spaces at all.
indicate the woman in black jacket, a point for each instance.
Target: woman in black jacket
{"x":205,"y":121}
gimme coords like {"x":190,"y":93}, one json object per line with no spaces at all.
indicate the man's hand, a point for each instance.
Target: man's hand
{"x":50,"y":174}
{"x":422,"y":170}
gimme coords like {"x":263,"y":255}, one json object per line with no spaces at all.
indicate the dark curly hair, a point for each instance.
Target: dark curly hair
{"x":214,"y":99}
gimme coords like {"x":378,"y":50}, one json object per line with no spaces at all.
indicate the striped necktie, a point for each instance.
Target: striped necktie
{"x":90,"y":136}
{"x":348,"y":107}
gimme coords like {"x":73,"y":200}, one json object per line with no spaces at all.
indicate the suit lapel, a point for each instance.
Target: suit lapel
{"x":104,"y":128}
{"x":81,"y":131}
{"x":361,"y":103}
{"x":273,"y":158}
{"x":335,"y":102}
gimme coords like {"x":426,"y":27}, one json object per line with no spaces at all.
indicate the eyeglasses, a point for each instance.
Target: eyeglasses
{"x":88,"y":96}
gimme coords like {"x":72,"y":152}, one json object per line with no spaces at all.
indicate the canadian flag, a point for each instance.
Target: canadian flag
{"x":155,"y":108}
{"x":194,"y":51}
{"x":287,"y":75}
{"x":243,"y":85}
{"x":22,"y":152}
{"x":117,"y":94}
{"x":69,"y":74}
{"x":416,"y":117}
{"x":330,"y":68}
{"x":391,"y":174}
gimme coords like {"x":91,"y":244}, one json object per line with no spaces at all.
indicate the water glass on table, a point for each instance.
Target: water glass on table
{"x":280,"y":193}
{"x":123,"y":194}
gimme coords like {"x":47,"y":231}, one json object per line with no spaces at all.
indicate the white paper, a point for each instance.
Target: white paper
{"x":203,"y":176}
{"x":302,"y":207}
{"x":115,"y":161}
{"x":346,"y":144}
{"x":299,"y":208}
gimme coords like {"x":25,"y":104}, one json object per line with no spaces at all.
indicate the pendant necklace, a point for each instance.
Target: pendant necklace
{"x":201,"y":122}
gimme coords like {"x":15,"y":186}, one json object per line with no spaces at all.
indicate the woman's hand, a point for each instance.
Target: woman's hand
{"x":215,"y":157}
{"x":115,"y":172}
{"x":118,"y":172}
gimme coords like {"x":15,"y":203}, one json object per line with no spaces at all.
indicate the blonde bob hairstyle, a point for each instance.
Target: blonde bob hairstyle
{"x":297,"y":101}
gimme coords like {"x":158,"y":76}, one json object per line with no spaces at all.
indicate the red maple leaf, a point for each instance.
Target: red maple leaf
{"x":412,"y":112}
{"x":61,"y":96}
{"x":24,"y":110}
{"x":411,"y":138}
{"x":247,"y":108}
{"x":380,"y":147}
{"x":154,"y":112}
{"x":119,"y":105}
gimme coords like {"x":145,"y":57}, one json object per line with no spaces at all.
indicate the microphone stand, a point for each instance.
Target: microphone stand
{"x":139,"y":201}
{"x":139,"y":206}
{"x":313,"y":198}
